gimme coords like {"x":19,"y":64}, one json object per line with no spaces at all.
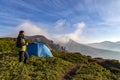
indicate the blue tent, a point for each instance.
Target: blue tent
{"x":39,"y":49}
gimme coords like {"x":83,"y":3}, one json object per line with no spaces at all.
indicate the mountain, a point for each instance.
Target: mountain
{"x":107,"y":45}
{"x":73,"y":46}
{"x":118,"y":42}
{"x":49,"y":43}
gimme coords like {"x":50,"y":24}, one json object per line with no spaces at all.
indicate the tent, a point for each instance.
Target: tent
{"x":39,"y":49}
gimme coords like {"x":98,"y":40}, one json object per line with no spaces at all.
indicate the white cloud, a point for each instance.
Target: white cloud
{"x":30,"y":29}
{"x":60,"y":24}
{"x":75,"y":35}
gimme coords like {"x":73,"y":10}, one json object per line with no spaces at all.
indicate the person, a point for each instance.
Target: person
{"x":22,"y":45}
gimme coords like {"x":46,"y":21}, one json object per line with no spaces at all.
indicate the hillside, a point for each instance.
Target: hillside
{"x":49,"y":43}
{"x":73,"y":46}
{"x":63,"y":66}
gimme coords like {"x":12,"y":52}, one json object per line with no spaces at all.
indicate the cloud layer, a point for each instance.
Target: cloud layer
{"x":32,"y":29}
{"x":76,"y":35}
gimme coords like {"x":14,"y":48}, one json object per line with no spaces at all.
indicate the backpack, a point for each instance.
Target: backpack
{"x":19,"y":42}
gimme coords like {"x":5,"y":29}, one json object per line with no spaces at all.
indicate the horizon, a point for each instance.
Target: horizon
{"x":60,"y":42}
{"x":80,"y":20}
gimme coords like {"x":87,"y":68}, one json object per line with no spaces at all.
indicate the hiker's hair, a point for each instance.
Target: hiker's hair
{"x":21,"y":32}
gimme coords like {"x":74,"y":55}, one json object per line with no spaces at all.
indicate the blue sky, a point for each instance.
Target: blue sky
{"x":80,"y":20}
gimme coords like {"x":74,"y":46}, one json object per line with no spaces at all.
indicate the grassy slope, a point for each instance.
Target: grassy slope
{"x":49,"y":68}
{"x":38,"y":68}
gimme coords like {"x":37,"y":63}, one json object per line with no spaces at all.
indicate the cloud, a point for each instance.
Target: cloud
{"x":60,"y":24}
{"x":75,"y":35}
{"x":30,"y":29}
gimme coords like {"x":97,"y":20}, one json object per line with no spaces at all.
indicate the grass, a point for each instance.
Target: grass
{"x":50,"y":68}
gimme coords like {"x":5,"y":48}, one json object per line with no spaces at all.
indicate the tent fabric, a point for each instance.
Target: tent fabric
{"x":39,"y":49}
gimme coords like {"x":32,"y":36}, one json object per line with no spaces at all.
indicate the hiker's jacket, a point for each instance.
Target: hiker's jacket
{"x":23,"y":43}
{"x":23,"y":48}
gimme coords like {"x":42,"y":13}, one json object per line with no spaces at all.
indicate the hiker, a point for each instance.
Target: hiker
{"x":22,"y":45}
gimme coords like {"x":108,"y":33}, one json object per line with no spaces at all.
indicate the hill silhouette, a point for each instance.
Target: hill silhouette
{"x":49,"y":43}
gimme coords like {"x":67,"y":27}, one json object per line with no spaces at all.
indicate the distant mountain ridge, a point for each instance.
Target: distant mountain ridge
{"x":73,"y":46}
{"x":107,"y":45}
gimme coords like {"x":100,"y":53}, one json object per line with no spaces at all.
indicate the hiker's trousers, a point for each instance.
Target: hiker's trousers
{"x":23,"y":56}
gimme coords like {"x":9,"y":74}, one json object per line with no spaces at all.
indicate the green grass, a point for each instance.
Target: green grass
{"x":49,"y":68}
{"x":93,"y":71}
{"x":37,"y":69}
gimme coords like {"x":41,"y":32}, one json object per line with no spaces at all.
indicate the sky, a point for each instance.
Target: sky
{"x":84,"y":21}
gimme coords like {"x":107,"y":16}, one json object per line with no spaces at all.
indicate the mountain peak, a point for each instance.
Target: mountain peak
{"x":106,"y":42}
{"x":70,"y":40}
